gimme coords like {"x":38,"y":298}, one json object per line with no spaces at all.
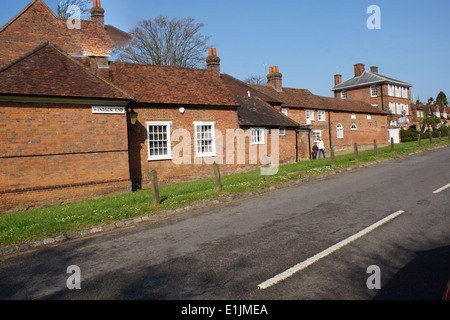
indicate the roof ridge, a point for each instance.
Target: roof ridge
{"x":157,"y":66}
{"x":90,"y":71}
{"x":70,"y":58}
{"x":17,"y":16}
{"x":24,"y":56}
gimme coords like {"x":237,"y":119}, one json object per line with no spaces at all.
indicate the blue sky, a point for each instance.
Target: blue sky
{"x":310,"y":41}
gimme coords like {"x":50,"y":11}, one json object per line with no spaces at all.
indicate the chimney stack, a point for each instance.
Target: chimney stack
{"x":98,"y":13}
{"x":274,"y":78}
{"x":359,"y":69}
{"x":374,"y":69}
{"x":213,"y":61}
{"x":337,"y":79}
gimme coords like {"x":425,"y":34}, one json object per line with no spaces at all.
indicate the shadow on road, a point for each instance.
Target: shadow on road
{"x":424,"y":278}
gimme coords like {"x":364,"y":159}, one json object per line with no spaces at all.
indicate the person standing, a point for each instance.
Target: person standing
{"x":315,"y":150}
{"x":321,"y":148}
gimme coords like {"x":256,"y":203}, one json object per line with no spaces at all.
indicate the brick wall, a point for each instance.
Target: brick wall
{"x":367,"y":132}
{"x":51,"y":154}
{"x":382,"y":100}
{"x":194,"y":168}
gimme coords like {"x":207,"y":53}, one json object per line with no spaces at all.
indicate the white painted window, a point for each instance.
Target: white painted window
{"x":317,"y":136}
{"x":284,"y":111}
{"x":390,"y":90}
{"x":159,"y":147}
{"x":354,"y":127}
{"x":282,"y":131}
{"x":258,"y":135}
{"x":321,"y":116}
{"x":353,"y":116}
{"x":340,"y":131}
{"x":373,"y":91}
{"x":205,"y":140}
{"x":369,"y":117}
{"x":392,"y":107}
{"x":405,"y":93}
{"x":309,"y":115}
{"x":344,"y":94}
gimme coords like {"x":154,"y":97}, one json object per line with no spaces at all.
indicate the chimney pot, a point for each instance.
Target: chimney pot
{"x":274,"y":78}
{"x":213,"y":61}
{"x":359,"y":69}
{"x":337,"y":79}
{"x":98,"y":13}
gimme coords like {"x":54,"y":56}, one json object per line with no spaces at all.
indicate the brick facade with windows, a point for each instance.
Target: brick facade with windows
{"x":386,"y":94}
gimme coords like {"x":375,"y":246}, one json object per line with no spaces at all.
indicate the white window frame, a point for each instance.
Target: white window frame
{"x":340,"y":131}
{"x":344,"y":94}
{"x":282,"y":131}
{"x":373,"y":91}
{"x":369,"y":117}
{"x":319,"y":132}
{"x":390,"y":90}
{"x":354,"y":127}
{"x":308,"y":114}
{"x":213,"y":153}
{"x":261,"y":137}
{"x":284,"y":111}
{"x":321,"y":115}
{"x":166,"y":124}
{"x":392,"y":107}
{"x":353,"y":116}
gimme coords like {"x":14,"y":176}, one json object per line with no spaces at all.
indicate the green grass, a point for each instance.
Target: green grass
{"x":39,"y":224}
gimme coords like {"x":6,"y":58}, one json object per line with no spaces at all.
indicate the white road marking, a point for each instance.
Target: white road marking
{"x":303,"y":265}
{"x":442,"y":189}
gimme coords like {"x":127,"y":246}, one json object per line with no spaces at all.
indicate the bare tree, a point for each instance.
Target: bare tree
{"x":161,"y":41}
{"x":84,"y":5}
{"x":256,"y":79}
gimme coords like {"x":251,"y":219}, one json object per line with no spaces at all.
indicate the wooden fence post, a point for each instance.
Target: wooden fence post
{"x":155,"y":189}
{"x":217,"y":177}
{"x":356,"y":152}
{"x":392,"y":145}
{"x":333,"y":163}
{"x":419,"y":140}
{"x":375,"y":148}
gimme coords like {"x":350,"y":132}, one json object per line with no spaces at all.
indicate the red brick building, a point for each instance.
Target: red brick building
{"x":339,"y":123}
{"x":66,"y":116}
{"x":54,"y":147}
{"x":384,"y":93}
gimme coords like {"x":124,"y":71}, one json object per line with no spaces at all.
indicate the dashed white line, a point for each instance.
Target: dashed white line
{"x":442,"y":189}
{"x":303,"y":265}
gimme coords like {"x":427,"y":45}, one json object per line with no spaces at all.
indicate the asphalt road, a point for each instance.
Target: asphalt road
{"x":225,"y":252}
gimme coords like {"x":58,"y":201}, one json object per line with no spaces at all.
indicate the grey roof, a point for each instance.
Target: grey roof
{"x":368,"y":78}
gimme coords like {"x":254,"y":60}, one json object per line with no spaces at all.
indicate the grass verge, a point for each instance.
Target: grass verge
{"x":39,"y":224}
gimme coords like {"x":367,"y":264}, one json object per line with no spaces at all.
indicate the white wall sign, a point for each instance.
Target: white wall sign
{"x":109,"y":110}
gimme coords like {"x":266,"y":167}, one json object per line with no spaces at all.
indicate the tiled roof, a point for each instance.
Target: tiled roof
{"x":302,"y":98}
{"x":254,"y":112}
{"x":240,"y":88}
{"x":368,"y":78}
{"x":170,"y":85}
{"x":11,"y":50}
{"x":48,"y":71}
{"x":37,"y":23}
